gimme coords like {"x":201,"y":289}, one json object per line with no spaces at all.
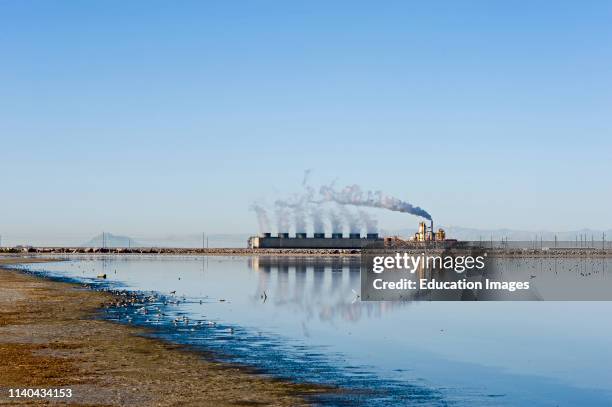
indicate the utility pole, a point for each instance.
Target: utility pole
{"x":203,"y":238}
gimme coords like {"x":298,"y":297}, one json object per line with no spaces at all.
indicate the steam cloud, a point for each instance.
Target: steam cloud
{"x":314,"y":206}
{"x":300,"y":220}
{"x":296,"y":206}
{"x":282,"y":218}
{"x":336,"y":221}
{"x":353,"y":195}
{"x":318,"y":224}
{"x":370,"y":223}
{"x":352,"y":220}
{"x":262,"y":217}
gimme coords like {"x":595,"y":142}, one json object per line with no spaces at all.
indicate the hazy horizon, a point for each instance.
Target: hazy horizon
{"x":197,"y":240}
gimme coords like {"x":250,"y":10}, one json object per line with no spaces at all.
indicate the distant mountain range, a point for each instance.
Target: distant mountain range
{"x":186,"y":240}
{"x":110,"y":240}
{"x":473,"y":234}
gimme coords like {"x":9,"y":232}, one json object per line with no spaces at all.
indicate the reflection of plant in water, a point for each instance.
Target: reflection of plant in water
{"x":327,"y":287}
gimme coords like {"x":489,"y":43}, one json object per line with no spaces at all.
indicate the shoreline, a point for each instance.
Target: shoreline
{"x":50,"y":338}
{"x":227,"y":251}
{"x":22,"y":252}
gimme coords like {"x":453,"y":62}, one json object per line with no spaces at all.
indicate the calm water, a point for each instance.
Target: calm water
{"x":301,"y":319}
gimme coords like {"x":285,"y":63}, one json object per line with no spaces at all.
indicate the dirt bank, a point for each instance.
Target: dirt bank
{"x":48,"y":339}
{"x":510,"y":252}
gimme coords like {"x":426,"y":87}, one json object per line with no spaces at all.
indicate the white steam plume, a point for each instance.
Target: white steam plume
{"x":370,"y":223}
{"x":335,"y":220}
{"x":318,"y":224}
{"x":262,"y":217}
{"x":352,"y":220}
{"x":282,"y":218}
{"x":353,"y":195}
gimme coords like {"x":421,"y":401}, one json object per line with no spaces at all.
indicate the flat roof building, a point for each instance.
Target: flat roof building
{"x":319,"y":241}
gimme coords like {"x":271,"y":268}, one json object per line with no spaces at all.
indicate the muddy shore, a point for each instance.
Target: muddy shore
{"x":50,"y":339}
{"x":510,"y":252}
{"x":229,"y":251}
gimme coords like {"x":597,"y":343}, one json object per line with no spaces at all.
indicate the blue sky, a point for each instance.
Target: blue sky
{"x":155,"y":117}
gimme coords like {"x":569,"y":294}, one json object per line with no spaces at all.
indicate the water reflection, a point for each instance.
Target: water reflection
{"x":326,"y":288}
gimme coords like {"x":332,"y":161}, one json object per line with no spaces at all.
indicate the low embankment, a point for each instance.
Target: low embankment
{"x":229,"y":251}
{"x":177,"y":251}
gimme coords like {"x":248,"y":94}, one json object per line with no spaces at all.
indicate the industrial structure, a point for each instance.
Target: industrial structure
{"x":339,"y":241}
{"x":317,"y":241}
{"x":426,"y":234}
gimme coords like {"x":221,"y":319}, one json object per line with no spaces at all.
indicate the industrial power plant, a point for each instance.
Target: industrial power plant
{"x":424,"y":234}
{"x":317,"y":241}
{"x":343,"y":208}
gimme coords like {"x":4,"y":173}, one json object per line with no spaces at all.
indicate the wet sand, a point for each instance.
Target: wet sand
{"x":49,"y":339}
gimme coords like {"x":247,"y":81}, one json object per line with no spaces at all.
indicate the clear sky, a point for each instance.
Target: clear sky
{"x":147,"y":117}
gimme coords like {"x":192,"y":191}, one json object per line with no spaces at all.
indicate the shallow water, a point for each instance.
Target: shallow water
{"x":301,"y":319}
